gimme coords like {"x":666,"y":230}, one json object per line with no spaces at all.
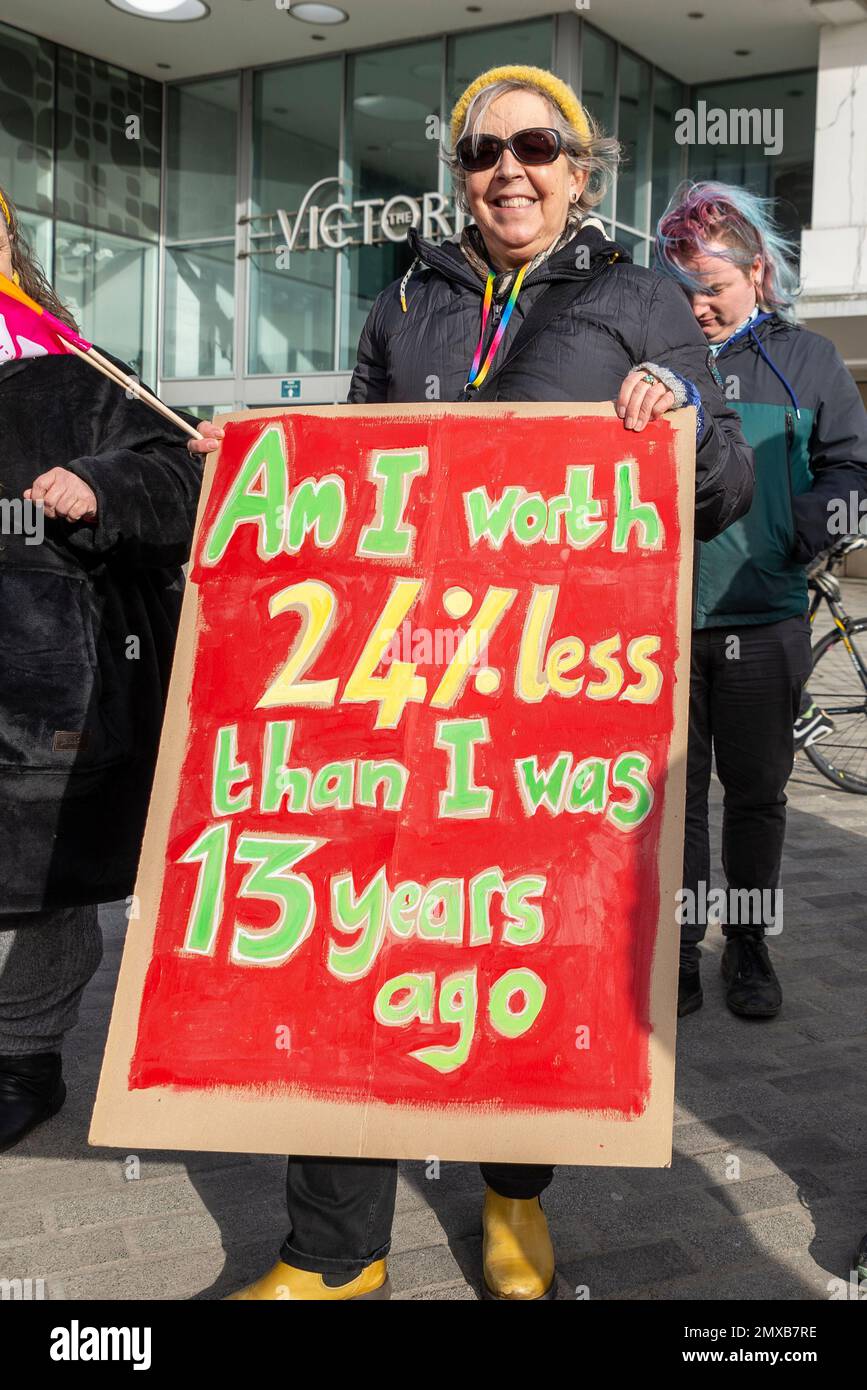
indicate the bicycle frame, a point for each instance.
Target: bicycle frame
{"x":825,"y":585}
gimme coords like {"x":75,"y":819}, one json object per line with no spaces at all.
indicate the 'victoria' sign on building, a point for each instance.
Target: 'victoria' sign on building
{"x":366,"y":221}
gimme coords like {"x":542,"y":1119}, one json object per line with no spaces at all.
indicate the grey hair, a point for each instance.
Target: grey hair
{"x":599,"y":156}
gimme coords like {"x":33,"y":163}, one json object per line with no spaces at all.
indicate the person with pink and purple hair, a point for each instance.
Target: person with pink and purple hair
{"x":803,"y":416}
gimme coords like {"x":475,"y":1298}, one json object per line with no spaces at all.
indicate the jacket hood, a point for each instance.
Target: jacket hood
{"x":450,"y":261}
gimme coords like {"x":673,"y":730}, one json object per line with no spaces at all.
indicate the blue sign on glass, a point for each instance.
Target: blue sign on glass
{"x":291,"y":388}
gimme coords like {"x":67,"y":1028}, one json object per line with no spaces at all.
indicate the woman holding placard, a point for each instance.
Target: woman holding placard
{"x":531,"y":303}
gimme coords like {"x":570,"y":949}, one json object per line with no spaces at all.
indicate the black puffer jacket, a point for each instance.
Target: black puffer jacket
{"x":87,"y":630}
{"x":621,"y":315}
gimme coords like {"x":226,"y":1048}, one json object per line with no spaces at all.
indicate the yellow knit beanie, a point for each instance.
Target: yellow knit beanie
{"x":559,"y":92}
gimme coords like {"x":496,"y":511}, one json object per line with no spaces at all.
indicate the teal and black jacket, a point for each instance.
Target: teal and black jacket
{"x":802,"y":414}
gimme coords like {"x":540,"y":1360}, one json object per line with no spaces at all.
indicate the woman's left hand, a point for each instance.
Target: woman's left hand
{"x":211,"y":441}
{"x":641,"y":400}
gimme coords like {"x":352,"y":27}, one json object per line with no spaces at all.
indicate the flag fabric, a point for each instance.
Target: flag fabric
{"x":28,"y":330}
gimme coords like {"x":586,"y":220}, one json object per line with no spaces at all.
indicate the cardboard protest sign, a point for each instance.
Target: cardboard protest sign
{"x":409,"y":874}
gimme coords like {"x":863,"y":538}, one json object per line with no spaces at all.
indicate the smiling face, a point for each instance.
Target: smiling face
{"x":520,"y":209}
{"x":730,"y":295}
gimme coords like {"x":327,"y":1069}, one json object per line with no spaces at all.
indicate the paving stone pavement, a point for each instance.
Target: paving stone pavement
{"x":766,"y":1197}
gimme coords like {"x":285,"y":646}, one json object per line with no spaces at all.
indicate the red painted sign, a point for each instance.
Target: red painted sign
{"x":414,"y":854}
{"x":416,"y":828}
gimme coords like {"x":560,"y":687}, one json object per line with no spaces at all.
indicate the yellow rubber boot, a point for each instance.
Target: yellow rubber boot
{"x":517,"y":1254}
{"x":286,"y":1282}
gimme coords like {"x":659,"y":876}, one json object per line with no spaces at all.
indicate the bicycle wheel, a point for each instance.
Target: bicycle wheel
{"x":839,"y":688}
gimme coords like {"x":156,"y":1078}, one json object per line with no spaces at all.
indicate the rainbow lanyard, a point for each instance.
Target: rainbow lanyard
{"x":476,"y":377}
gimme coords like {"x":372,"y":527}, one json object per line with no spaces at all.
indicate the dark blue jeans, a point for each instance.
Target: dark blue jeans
{"x":341,"y":1209}
{"x":745,"y":693}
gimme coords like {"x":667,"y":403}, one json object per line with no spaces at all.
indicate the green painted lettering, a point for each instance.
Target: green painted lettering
{"x":333,"y":787}
{"x":228,"y":772}
{"x":463,"y":798}
{"x":272,"y":857}
{"x":417,"y":1004}
{"x":458,"y":1002}
{"x":630,"y":511}
{"x":210,"y":850}
{"x":441,"y":916}
{"x":393,"y":474}
{"x":630,"y":770}
{"x":487,"y":520}
{"x":364,"y":914}
{"x":279,"y":781}
{"x":588,"y":789}
{"x":265,"y":465}
{"x":482,"y":889}
{"x":403,"y":908}
{"x":393,"y":775}
{"x":525,"y":982}
{"x":318,"y":505}
{"x":584,"y":519}
{"x":546,"y":788}
{"x":526,"y":925}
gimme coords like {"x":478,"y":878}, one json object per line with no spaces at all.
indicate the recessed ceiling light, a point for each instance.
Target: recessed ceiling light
{"x":166,"y":66}
{"x":311,"y":13}
{"x":695,"y":14}
{"x":742,"y":52}
{"x":163,"y":9}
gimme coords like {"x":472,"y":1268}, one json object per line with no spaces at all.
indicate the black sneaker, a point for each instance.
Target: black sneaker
{"x":810,"y":726}
{"x":753,"y":988}
{"x":689,"y":991}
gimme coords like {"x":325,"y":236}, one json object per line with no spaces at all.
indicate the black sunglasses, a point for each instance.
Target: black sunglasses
{"x":537,"y":145}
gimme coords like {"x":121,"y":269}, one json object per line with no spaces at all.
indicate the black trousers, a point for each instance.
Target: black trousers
{"x":341,"y":1209}
{"x":745,"y":693}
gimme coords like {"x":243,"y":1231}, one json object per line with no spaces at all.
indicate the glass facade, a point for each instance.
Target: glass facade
{"x":786,"y":176}
{"x":635,"y":102}
{"x":388,"y":154}
{"x":278,"y":208}
{"x":80,"y":153}
{"x":296,"y":143}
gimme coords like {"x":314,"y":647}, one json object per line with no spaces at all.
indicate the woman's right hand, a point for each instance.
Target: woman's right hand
{"x":642,"y":398}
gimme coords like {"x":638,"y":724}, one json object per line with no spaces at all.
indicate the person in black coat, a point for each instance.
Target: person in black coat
{"x":90,"y":591}
{"x":525,"y":150}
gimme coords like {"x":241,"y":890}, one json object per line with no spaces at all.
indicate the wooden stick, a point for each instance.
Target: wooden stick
{"x":108,"y":369}
{"x":132,"y":383}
